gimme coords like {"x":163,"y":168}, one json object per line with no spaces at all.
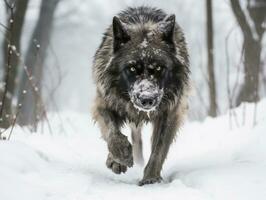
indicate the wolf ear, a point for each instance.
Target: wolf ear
{"x":168,"y":29}
{"x":120,"y":34}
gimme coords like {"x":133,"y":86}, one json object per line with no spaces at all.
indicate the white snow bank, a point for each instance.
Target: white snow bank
{"x":208,"y":161}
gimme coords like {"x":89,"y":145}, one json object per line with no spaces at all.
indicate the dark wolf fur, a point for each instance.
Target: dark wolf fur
{"x":122,"y":45}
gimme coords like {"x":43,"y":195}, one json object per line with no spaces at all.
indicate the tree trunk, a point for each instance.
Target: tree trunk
{"x":11,"y":45}
{"x":211,"y":74}
{"x":30,"y":91}
{"x":249,"y":90}
{"x":252,"y":37}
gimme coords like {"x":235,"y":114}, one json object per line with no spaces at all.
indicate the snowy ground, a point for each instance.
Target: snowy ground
{"x":208,"y":161}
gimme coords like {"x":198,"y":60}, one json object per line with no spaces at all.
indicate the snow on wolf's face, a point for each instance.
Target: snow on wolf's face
{"x":145,"y":95}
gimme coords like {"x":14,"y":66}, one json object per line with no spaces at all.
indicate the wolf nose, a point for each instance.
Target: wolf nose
{"x":147,"y":101}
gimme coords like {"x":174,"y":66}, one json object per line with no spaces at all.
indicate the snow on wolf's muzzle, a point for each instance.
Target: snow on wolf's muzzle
{"x":145,"y":95}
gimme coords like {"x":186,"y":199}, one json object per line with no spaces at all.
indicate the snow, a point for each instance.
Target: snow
{"x":144,"y":43}
{"x":209,"y":160}
{"x":109,"y":62}
{"x":145,"y":88}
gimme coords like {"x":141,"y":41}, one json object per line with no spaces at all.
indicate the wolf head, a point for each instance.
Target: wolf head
{"x":145,"y":65}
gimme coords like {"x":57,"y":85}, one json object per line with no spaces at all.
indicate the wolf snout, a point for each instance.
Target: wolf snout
{"x":148,"y":101}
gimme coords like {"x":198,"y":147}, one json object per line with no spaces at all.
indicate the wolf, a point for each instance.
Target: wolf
{"x":141,"y":72}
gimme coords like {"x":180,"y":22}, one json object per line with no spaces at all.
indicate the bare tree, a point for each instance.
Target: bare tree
{"x":211,"y":75}
{"x":16,"y":10}
{"x":251,"y":22}
{"x":32,"y":106}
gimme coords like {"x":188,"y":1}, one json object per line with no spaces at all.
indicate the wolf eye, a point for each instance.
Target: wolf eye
{"x":158,"y":68}
{"x":132,"y":69}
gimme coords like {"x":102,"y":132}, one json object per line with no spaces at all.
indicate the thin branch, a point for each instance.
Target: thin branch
{"x":35,"y":91}
{"x":13,"y":123}
{"x":227,"y":77}
{"x":4,"y":26}
{"x":33,"y":87}
{"x":8,"y":5}
{"x":9,"y":55}
{"x":201,"y":98}
{"x":256,"y":100}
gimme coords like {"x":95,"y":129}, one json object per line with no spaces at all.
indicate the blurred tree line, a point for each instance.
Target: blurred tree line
{"x":21,"y":97}
{"x":252,"y":22}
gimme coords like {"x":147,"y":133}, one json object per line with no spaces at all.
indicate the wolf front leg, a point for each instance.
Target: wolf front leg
{"x":137,"y":143}
{"x":120,"y":150}
{"x":165,"y":128}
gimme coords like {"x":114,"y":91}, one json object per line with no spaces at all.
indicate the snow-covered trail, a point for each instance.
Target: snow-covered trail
{"x":207,"y":161}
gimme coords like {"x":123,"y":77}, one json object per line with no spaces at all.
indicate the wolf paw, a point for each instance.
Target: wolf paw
{"x":114,"y":166}
{"x":121,"y":150}
{"x":153,"y":180}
